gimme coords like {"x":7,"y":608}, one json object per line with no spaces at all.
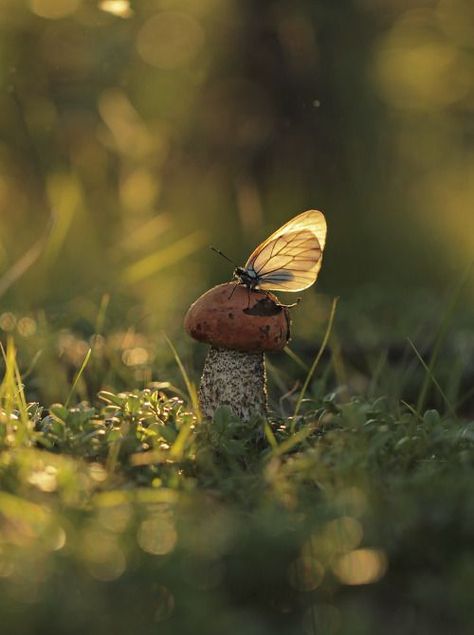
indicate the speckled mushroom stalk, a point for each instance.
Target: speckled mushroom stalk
{"x":236,"y":379}
{"x":240,"y":325}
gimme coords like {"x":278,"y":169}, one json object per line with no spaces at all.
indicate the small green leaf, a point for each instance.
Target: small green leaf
{"x":59,"y":412}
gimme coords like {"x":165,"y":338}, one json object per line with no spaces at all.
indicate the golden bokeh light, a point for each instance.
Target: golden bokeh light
{"x":170,"y":40}
{"x":361,"y":566}
{"x":97,"y":472}
{"x":26,"y":327}
{"x":135,"y":356}
{"x":418,"y":68}
{"x":7,"y":321}
{"x":44,"y":479}
{"x":72,"y":348}
{"x":58,"y":539}
{"x":54,"y":9}
{"x":157,"y":535}
{"x":119,"y":8}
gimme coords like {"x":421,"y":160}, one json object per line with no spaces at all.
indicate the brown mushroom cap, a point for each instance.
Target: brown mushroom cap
{"x":230,"y":316}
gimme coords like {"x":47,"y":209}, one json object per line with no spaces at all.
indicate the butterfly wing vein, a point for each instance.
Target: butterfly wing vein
{"x":290,"y":259}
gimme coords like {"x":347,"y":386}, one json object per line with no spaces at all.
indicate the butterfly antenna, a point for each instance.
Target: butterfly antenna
{"x":218,"y":251}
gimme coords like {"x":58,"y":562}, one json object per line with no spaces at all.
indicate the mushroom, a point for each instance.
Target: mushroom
{"x":240,"y":325}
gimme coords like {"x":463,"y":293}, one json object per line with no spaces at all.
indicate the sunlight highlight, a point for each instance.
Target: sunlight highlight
{"x":44,"y":479}
{"x":361,"y":566}
{"x":119,"y":8}
{"x":135,"y":356}
{"x":58,"y":539}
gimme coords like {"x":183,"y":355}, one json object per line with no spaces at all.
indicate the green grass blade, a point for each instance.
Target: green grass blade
{"x":189,"y":385}
{"x":152,"y":263}
{"x":296,"y":358}
{"x":443,"y":329}
{"x":431,"y":379}
{"x":21,"y":266}
{"x":294,"y":440}
{"x":12,"y":394}
{"x":78,"y":377}
{"x":411,"y":409}
{"x":101,"y":313}
{"x":270,"y":436}
{"x":177,"y":449}
{"x":315,"y":363}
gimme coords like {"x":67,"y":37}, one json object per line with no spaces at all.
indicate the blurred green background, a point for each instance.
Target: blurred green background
{"x":150,"y":130}
{"x":132,"y":136}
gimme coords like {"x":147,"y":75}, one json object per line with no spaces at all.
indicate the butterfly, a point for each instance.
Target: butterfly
{"x":289,"y":259}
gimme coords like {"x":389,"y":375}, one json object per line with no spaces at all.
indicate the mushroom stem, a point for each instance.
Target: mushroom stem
{"x":236,"y":379}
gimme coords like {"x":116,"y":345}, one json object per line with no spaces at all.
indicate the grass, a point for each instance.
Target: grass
{"x":125,"y":513}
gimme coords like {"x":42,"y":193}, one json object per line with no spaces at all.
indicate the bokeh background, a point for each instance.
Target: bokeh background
{"x":150,"y":129}
{"x":134,"y":134}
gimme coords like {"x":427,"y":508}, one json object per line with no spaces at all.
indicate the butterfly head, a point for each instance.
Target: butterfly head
{"x":248,"y":277}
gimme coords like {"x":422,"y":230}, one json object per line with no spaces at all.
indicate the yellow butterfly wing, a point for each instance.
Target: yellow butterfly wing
{"x":290,"y":259}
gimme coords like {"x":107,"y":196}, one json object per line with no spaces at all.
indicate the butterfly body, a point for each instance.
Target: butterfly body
{"x":289,"y":259}
{"x":248,"y":277}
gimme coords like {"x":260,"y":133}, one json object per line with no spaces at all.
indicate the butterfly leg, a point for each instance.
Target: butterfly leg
{"x":290,"y":306}
{"x":285,"y":306}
